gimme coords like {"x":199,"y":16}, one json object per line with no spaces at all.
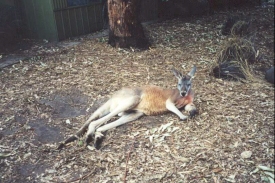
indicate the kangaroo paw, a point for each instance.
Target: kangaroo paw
{"x":61,"y":145}
{"x":183,"y":118}
{"x":192,"y":113}
{"x":98,"y":139}
{"x":89,"y":138}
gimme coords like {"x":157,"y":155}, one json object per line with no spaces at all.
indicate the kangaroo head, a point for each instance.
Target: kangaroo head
{"x":184,"y":81}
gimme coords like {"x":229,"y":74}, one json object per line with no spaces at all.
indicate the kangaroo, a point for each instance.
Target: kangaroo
{"x":133,"y":102}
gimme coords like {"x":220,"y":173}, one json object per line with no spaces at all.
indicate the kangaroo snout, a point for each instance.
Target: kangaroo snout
{"x":183,"y":93}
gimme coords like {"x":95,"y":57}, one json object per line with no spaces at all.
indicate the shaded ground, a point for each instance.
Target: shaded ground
{"x":46,"y":98}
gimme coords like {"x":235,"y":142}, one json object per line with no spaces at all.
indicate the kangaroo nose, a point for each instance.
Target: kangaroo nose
{"x":182,"y":94}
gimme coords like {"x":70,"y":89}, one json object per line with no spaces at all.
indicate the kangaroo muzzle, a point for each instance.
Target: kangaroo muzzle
{"x":183,"y":94}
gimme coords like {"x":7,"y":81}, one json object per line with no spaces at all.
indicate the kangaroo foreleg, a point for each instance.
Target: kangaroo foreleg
{"x":171,"y":107}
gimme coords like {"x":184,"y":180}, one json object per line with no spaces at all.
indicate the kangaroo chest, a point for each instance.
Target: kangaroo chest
{"x":183,"y":101}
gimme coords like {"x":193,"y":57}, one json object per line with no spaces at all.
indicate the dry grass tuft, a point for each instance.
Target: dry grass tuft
{"x":235,"y":59}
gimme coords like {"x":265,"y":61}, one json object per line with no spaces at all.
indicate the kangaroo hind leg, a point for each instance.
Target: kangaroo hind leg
{"x":99,"y":113}
{"x":125,"y":118}
{"x":119,"y":105}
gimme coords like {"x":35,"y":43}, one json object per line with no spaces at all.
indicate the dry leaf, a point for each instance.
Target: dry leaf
{"x":246,"y":154}
{"x":216,"y":170}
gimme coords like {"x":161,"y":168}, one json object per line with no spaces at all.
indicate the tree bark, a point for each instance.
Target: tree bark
{"x":125,"y":29}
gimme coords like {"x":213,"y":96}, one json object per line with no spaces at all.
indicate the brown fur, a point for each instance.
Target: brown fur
{"x":153,"y":100}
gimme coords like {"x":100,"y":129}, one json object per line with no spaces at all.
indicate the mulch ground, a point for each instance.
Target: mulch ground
{"x":46,"y":98}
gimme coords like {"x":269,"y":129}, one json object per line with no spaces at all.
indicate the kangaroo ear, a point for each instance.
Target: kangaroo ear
{"x":192,"y":72}
{"x":176,"y":73}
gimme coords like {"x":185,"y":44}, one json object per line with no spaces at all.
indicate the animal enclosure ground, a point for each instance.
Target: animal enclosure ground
{"x":45,"y":99}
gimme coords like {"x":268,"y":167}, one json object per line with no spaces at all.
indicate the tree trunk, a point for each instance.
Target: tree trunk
{"x":125,"y":28}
